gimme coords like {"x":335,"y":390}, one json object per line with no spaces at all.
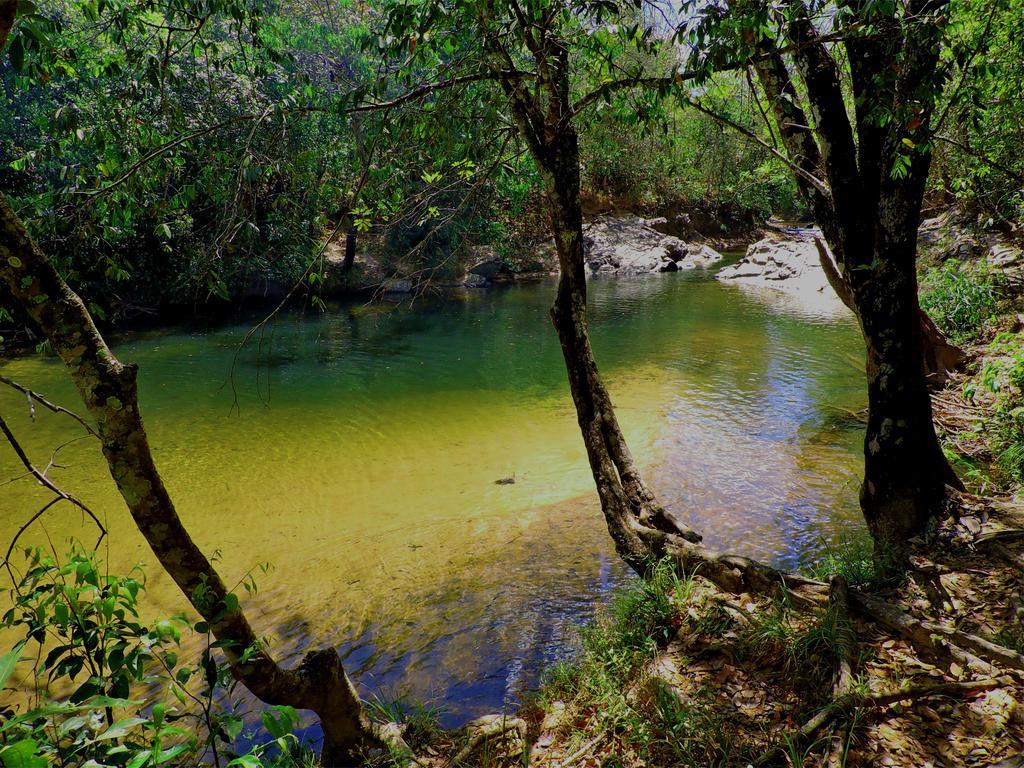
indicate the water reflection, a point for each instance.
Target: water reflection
{"x":362,"y":458}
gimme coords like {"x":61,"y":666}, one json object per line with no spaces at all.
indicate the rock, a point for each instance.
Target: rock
{"x":632,"y":246}
{"x":793,"y":261}
{"x":488,"y":264}
{"x":789,"y":264}
{"x":702,"y":256}
{"x":265,"y":288}
{"x":1004,"y":256}
{"x":397,"y":286}
{"x":474,"y":280}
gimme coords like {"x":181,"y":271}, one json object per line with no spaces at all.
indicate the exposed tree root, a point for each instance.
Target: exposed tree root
{"x":849,"y":701}
{"x":489,"y":728}
{"x":732,"y":573}
{"x":937,"y":639}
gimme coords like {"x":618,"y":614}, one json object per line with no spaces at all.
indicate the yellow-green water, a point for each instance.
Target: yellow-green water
{"x":362,"y":457}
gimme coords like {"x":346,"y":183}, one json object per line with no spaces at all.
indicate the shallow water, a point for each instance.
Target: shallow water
{"x":357,"y":452}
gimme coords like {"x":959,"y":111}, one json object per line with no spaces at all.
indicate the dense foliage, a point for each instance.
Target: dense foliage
{"x":165,"y":157}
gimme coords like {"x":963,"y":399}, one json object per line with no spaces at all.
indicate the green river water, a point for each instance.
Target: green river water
{"x":357,"y":452}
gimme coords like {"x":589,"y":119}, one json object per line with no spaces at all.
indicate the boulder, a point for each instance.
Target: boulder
{"x":632,"y":246}
{"x":488,"y":264}
{"x":777,"y":260}
{"x":1003,"y":256}
{"x":474,"y":280}
{"x":790,"y":265}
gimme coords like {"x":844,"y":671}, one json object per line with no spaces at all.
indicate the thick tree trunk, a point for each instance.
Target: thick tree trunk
{"x":905,"y":471}
{"x":108,"y":388}
{"x":939,"y":358}
{"x":869,"y":216}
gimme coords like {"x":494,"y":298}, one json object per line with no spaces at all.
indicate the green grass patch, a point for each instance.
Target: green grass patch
{"x":1003,"y":376}
{"x":611,"y":695}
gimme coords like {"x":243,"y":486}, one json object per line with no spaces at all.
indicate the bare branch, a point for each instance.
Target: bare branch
{"x":40,"y":476}
{"x":35,"y":396}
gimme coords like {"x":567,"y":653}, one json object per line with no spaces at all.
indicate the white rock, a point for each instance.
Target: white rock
{"x":632,"y":246}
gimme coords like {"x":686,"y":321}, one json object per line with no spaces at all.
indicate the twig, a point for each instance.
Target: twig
{"x":35,"y":396}
{"x":581,"y":751}
{"x":47,"y":483}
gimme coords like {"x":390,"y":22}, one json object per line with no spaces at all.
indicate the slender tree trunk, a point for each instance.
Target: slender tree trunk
{"x":108,"y":388}
{"x":350,"y":250}
{"x":623,"y":494}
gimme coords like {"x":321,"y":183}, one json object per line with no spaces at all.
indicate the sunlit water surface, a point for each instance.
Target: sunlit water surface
{"x":361,"y":455}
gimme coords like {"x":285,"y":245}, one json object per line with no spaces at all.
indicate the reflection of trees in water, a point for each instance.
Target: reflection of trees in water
{"x":747,"y":461}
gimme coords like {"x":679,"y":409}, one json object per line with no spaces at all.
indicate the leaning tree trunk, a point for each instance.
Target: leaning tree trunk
{"x":642,"y":530}
{"x":625,"y":498}
{"x":108,"y":388}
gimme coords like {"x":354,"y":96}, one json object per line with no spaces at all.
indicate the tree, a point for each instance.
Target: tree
{"x":108,"y":388}
{"x":863,"y":171}
{"x":537,"y":52}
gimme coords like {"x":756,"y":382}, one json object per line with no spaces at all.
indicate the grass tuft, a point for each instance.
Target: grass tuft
{"x":852,"y":558}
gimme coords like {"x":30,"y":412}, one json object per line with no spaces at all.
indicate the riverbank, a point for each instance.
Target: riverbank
{"x":678,"y":673}
{"x":619,"y":245}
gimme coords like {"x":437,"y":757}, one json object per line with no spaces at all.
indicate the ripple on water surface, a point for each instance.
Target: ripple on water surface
{"x":362,"y":460}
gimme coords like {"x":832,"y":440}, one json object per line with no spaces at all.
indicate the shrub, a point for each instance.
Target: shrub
{"x":83,"y":634}
{"x":960,"y":300}
{"x":1003,"y":375}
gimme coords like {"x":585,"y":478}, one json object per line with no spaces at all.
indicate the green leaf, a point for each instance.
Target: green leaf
{"x":16,"y":50}
{"x":22,"y":754}
{"x":120,"y":729}
{"x":232,"y":725}
{"x":246,"y":761}
{"x":8,"y":661}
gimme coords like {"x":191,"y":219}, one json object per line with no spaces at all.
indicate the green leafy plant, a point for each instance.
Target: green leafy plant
{"x":106,"y":688}
{"x":961,"y":300}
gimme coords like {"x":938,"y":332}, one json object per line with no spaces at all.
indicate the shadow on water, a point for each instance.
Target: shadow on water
{"x":368,"y":477}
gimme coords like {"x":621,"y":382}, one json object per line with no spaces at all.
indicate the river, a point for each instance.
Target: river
{"x":356,"y":451}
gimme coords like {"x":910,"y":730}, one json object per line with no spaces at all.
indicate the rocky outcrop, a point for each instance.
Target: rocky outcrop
{"x":632,"y":246}
{"x":788,"y":263}
{"x":954,"y":236}
{"x":788,"y":260}
{"x":785,"y":262}
{"x":486,"y":263}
